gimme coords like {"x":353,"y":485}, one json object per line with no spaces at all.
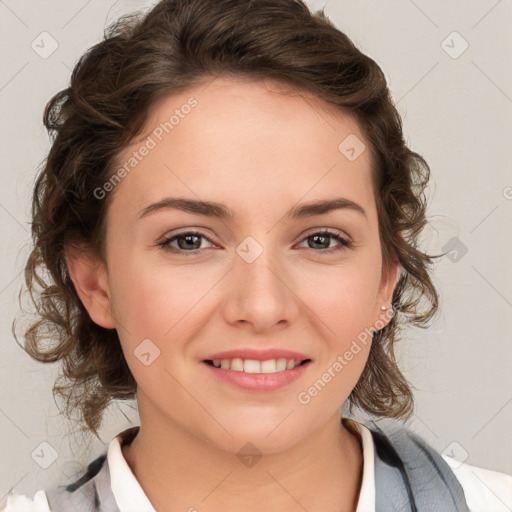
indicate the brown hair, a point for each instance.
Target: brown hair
{"x":176,"y":45}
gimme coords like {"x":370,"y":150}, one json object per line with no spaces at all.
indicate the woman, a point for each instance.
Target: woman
{"x":229,"y":215}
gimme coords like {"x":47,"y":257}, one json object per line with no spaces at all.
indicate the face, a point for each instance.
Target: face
{"x":184,"y":285}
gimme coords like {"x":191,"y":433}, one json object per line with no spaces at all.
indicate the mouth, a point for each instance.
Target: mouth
{"x":256,"y":366}
{"x":254,"y":375}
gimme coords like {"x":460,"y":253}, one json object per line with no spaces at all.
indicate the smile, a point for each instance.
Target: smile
{"x":255,"y":366}
{"x":254,"y":375}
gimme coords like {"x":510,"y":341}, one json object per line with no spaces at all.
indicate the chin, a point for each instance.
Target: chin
{"x":263,"y":438}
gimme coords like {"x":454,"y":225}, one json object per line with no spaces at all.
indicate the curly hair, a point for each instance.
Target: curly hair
{"x":168,"y":49}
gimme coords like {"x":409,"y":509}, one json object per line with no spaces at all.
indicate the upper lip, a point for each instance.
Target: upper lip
{"x":258,"y":354}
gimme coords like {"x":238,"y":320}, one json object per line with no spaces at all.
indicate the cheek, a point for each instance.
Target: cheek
{"x":343,"y":296}
{"x":148,"y":303}
{"x":151,"y":311}
{"x":343,"y":302}
{"x":161,"y":303}
{"x":343,"y":328}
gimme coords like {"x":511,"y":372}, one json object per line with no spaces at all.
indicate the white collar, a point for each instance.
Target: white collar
{"x":131,"y":498}
{"x":366,"y":502}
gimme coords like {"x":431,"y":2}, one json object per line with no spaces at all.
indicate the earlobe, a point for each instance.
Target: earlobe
{"x":89,"y":277}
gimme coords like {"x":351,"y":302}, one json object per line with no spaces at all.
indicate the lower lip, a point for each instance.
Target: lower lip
{"x":258,"y":381}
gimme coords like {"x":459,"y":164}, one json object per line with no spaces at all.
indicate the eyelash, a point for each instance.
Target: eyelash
{"x":344,"y":243}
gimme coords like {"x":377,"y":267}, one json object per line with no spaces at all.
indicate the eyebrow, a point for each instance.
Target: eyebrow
{"x":220,"y":211}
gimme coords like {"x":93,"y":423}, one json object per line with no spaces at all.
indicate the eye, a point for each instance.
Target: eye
{"x":189,"y":242}
{"x":322,"y":238}
{"x":186,"y":241}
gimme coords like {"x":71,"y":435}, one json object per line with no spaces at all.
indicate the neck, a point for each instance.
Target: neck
{"x":179,"y":471}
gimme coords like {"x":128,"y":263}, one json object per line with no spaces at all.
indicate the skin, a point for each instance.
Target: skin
{"x":260,"y":149}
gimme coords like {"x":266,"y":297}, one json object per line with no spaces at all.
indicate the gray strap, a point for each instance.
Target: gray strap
{"x":411,"y":476}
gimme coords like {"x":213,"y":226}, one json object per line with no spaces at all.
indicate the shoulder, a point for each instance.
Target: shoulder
{"x":21,"y":503}
{"x":484,"y":489}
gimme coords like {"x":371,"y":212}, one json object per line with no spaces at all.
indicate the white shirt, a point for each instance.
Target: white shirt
{"x":485,"y":490}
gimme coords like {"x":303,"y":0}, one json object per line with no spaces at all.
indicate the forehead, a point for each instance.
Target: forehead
{"x":242,"y":103}
{"x":238,"y":141}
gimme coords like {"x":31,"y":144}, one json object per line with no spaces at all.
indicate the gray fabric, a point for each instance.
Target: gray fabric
{"x":390,"y":492}
{"x":91,"y":493}
{"x":410,"y":476}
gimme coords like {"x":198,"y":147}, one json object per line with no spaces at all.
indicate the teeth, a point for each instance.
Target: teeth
{"x":255,"y":366}
{"x":281,"y":364}
{"x":252,"y":366}
{"x":269,"y":366}
{"x":236,"y":364}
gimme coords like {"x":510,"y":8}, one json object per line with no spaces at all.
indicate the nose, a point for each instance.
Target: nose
{"x":260,"y":290}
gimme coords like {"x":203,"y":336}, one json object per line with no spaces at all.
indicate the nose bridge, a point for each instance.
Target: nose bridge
{"x":258,"y":263}
{"x":260,"y":291}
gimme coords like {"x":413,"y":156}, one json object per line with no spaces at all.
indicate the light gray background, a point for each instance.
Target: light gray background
{"x":457,"y":113}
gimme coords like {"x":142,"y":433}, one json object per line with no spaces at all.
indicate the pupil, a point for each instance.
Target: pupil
{"x":188,"y":238}
{"x":323,"y":237}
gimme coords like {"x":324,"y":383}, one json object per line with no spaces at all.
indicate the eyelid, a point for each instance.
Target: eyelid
{"x":312,"y":230}
{"x":345,"y":241}
{"x":323,"y":229}
{"x":309,"y":232}
{"x":186,"y":231}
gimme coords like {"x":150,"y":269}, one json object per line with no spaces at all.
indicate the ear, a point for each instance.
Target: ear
{"x":388,"y":283}
{"x":90,"y":278}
